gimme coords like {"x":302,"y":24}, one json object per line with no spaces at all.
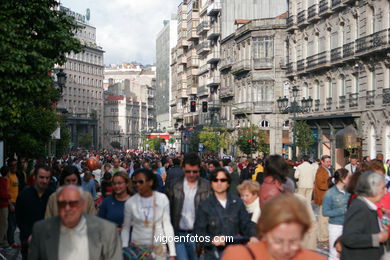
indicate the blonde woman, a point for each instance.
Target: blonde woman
{"x":249,"y":191}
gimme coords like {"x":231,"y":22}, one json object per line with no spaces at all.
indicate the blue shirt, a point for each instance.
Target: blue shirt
{"x":112,"y":210}
{"x":89,"y":186}
{"x":334,"y":205}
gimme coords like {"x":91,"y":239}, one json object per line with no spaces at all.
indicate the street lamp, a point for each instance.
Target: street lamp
{"x":294,"y":108}
{"x":61,"y":79}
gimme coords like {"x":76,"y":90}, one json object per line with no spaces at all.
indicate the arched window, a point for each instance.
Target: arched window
{"x":264,"y":124}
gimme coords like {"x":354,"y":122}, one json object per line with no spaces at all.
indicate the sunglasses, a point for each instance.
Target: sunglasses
{"x":220,"y":180}
{"x":138,"y":182}
{"x":72,"y":203}
{"x":193,"y":172}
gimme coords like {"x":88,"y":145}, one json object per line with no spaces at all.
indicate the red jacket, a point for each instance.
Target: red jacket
{"x":4,"y":195}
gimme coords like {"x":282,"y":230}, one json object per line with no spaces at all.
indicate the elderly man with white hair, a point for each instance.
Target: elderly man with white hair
{"x":363,"y":234}
{"x":73,"y":234}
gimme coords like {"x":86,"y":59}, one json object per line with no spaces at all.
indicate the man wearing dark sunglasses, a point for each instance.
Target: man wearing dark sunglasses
{"x":185,"y":194}
{"x":72,"y":234}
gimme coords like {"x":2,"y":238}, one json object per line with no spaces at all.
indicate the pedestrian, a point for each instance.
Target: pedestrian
{"x":116,"y":166}
{"x":321,"y":185}
{"x":185,"y":195}
{"x":281,"y":228}
{"x":31,"y":205}
{"x":175,"y":172}
{"x":305,"y":175}
{"x":147,"y":213}
{"x":112,"y":207}
{"x":69,"y":176}
{"x":249,"y":191}
{"x":106,"y":184}
{"x":222,"y":215}
{"x":363,"y":237}
{"x":88,"y":184}
{"x":233,"y":171}
{"x":334,"y":206}
{"x":353,"y":163}
{"x":13,"y":190}
{"x":247,"y":172}
{"x":159,"y":180}
{"x":72,"y":234}
{"x":4,"y":204}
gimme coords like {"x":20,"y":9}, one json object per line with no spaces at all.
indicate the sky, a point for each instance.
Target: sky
{"x":126,"y":29}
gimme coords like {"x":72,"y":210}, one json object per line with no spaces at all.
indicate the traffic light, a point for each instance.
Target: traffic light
{"x":204,"y":106}
{"x":193,"y":106}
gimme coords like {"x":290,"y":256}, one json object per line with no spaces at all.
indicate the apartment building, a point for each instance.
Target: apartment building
{"x":338,"y":55}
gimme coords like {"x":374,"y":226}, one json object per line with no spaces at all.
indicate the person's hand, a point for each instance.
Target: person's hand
{"x":253,"y":240}
{"x":11,"y":207}
{"x":383,"y":236}
{"x":219,"y":241}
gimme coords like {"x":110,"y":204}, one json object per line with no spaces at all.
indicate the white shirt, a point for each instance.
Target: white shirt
{"x":187,"y":219}
{"x":306,"y":174}
{"x":98,"y":175}
{"x":223,"y":203}
{"x":73,"y":243}
{"x":146,"y":209}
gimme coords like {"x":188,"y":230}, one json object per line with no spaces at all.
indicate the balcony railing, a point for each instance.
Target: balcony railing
{"x":214,"y":57}
{"x":263,"y":63}
{"x":329,"y":103}
{"x":301,"y":65}
{"x":336,"y":54}
{"x":348,"y":50}
{"x":203,"y":27}
{"x":386,"y":96}
{"x":226,"y":91}
{"x":290,"y":21}
{"x":301,"y":16}
{"x":370,"y":95}
{"x":203,"y":69}
{"x":241,"y":66}
{"x":342,"y":101}
{"x":290,"y":68}
{"x":317,"y":105}
{"x":364,"y":43}
{"x":353,"y":99}
{"x":213,"y":81}
{"x":203,"y":47}
{"x":202,"y":91}
{"x":324,"y":6}
{"x":214,"y":8}
{"x":214,"y":33}
{"x":311,"y":61}
{"x":322,"y":58}
{"x":312,"y":11}
{"x":380,"y":38}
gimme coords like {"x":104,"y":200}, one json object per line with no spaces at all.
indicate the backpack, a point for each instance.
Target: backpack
{"x":269,"y":189}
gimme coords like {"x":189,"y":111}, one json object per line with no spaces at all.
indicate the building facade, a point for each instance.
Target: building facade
{"x":166,"y":40}
{"x":83,"y":94}
{"x":338,"y":55}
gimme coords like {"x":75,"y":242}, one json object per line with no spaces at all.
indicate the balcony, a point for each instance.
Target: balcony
{"x":291,"y":23}
{"x":336,"y":4}
{"x":203,"y":69}
{"x":370,"y":97}
{"x":241,"y":66}
{"x":329,"y":103}
{"x":317,"y":105}
{"x":301,"y":19}
{"x":349,"y":51}
{"x":363,"y":44}
{"x":214,"y":8}
{"x":336,"y":55}
{"x":181,"y":59}
{"x":312,"y":13}
{"x":318,"y":61}
{"x":324,"y":8}
{"x":203,"y":27}
{"x":290,"y":68}
{"x":263,"y":106}
{"x":301,"y":65}
{"x":202,"y":91}
{"x":353,"y":99}
{"x":213,"y":81}
{"x":203,"y":48}
{"x":214,"y":33}
{"x":263,"y":63}
{"x":225,"y":64}
{"x":213,"y":57}
{"x":192,"y":35}
{"x":192,"y":62}
{"x":342,"y":102}
{"x":225,"y":92}
{"x":386,"y":96}
{"x":250,"y":107}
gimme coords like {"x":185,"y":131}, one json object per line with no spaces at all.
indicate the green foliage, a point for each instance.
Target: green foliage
{"x":62,"y":145}
{"x":116,"y":145}
{"x":255,"y":133}
{"x":194,"y":141}
{"x":211,"y":137}
{"x":304,"y":136}
{"x":154,"y":143}
{"x":85,"y":141}
{"x":34,"y":37}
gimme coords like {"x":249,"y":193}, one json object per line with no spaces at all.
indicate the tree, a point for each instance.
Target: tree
{"x":304,"y":136}
{"x":212,"y":137}
{"x":116,"y":145}
{"x":154,"y":143}
{"x":85,"y":141}
{"x":252,"y":140}
{"x":34,"y":36}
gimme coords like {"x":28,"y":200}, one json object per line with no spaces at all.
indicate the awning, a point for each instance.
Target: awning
{"x":347,"y":138}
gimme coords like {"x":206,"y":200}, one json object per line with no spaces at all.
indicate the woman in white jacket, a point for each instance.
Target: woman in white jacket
{"x":147,"y":212}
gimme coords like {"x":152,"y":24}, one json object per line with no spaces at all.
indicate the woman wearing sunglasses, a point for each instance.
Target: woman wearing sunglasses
{"x":147,"y":213}
{"x":220,"y":216}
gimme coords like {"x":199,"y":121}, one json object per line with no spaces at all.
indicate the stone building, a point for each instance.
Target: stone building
{"x":338,"y":55}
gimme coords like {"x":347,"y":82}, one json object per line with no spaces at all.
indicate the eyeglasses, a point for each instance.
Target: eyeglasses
{"x":220,"y":180}
{"x":138,"y":182}
{"x":72,"y":203}
{"x":193,"y":172}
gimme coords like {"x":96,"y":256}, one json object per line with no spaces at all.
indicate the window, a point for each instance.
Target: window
{"x":356,"y":79}
{"x":263,"y":47}
{"x":342,"y":85}
{"x":373,"y":79}
{"x":286,"y":123}
{"x":264,"y":124}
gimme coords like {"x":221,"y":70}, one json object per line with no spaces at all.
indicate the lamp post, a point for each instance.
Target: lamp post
{"x":294,"y":108}
{"x":61,"y":80}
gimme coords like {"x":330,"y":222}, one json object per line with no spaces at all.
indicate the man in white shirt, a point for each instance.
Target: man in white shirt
{"x":305,"y":174}
{"x":353,"y":163}
{"x":73,"y":235}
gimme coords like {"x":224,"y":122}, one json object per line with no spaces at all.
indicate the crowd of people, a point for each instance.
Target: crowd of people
{"x":144,"y":205}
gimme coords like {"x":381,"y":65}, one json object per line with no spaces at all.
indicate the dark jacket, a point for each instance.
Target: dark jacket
{"x":176,"y":172}
{"x":246,"y":174}
{"x":175,"y":194}
{"x":214,"y":220}
{"x":361,"y":223}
